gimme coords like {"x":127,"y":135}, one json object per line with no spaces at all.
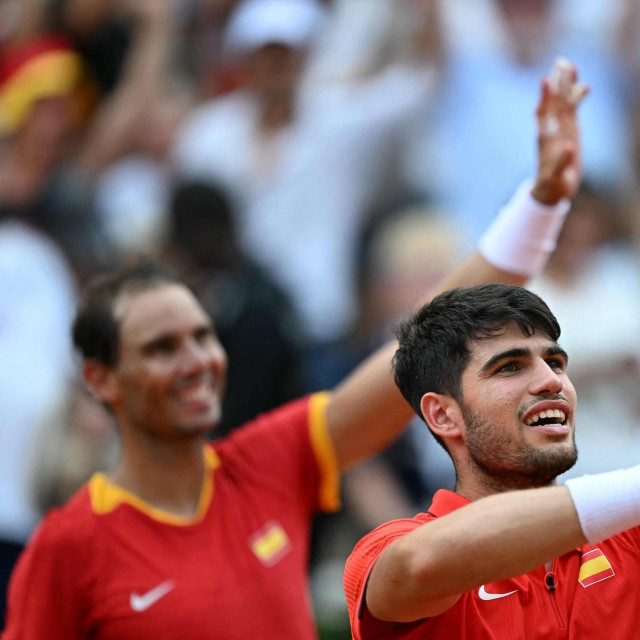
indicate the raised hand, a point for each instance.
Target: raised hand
{"x":559,"y":170}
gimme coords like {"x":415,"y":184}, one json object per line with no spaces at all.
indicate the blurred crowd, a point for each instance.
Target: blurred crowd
{"x":312,"y":166}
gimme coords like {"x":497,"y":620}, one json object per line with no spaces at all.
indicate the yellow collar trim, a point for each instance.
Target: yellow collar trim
{"x":106,"y":497}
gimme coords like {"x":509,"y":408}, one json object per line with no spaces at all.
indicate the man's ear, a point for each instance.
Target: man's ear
{"x":442,"y":415}
{"x":101,"y":381}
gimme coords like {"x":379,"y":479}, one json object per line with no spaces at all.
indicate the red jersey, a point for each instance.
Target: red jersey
{"x":108,"y":565}
{"x":590,"y":593}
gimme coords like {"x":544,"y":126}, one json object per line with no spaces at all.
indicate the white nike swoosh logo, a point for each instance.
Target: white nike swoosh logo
{"x":493,"y":596}
{"x":144,"y":601}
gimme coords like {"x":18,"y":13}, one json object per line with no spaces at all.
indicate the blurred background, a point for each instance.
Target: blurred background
{"x":313,"y":167}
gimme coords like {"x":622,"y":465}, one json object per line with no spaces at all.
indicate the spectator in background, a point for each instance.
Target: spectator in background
{"x":42,"y":88}
{"x":37,"y":296}
{"x":487,"y":76}
{"x":49,"y":156}
{"x":254,"y":319}
{"x":302,"y":166}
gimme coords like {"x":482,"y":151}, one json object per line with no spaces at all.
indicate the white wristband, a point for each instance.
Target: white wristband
{"x":607,"y":503}
{"x":524,"y":233}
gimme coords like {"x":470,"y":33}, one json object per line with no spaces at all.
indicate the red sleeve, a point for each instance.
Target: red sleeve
{"x":358,"y":568}
{"x":45,"y":598}
{"x":290,"y":451}
{"x":630,"y":537}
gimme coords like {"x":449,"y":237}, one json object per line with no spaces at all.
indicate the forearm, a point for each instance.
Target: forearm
{"x":423,"y":573}
{"x":138,"y":89}
{"x":501,"y":536}
{"x":367,"y":411}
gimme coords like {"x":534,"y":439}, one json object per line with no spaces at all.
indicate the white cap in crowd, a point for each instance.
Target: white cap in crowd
{"x":256,"y":23}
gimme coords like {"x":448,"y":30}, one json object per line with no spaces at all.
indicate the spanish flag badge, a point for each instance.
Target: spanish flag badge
{"x":270,"y":543}
{"x":594,"y":567}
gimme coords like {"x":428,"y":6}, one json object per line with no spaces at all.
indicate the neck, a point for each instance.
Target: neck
{"x":168,"y":475}
{"x":473,"y":483}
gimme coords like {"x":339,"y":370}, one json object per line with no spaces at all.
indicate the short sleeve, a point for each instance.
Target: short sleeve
{"x":289,"y":451}
{"x":360,"y":563}
{"x":45,"y":598}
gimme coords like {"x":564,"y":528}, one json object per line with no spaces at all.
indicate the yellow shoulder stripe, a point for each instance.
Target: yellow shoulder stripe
{"x":329,"y":498}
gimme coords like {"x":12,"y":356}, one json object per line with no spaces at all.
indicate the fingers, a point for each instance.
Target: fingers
{"x":561,"y":76}
{"x":578,"y":92}
{"x":558,"y":131}
{"x":562,"y":82}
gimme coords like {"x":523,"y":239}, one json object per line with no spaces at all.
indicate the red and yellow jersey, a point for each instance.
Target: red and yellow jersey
{"x":108,"y":565}
{"x":589,"y":594}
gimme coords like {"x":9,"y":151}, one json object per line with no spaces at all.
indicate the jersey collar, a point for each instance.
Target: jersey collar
{"x":106,"y":497}
{"x":445,"y":501}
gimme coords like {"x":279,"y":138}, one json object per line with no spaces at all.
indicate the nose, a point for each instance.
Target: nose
{"x":545,"y":380}
{"x":198,"y":357}
{"x":195,"y":358}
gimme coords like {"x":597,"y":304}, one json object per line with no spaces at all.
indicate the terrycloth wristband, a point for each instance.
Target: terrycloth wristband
{"x":607,"y":503}
{"x":524,"y":233}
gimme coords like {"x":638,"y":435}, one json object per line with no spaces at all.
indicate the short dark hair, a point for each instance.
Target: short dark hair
{"x":434,"y":343}
{"x":95,"y":331}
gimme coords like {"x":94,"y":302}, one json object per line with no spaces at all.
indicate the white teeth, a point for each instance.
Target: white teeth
{"x":199,"y":393}
{"x":550,"y":413}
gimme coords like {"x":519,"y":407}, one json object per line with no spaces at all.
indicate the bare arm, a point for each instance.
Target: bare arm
{"x":367,"y":411}
{"x":116,"y":122}
{"x":425,"y":572}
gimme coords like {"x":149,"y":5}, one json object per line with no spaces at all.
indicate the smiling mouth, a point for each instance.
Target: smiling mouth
{"x":545,"y":418}
{"x":201,"y":393}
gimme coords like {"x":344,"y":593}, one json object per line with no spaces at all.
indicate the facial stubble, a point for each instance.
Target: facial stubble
{"x":508,"y":464}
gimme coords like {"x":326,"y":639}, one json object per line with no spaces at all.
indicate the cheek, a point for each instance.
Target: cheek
{"x":503,"y":399}
{"x":569,"y":392}
{"x":219,"y":360}
{"x":145,"y":382}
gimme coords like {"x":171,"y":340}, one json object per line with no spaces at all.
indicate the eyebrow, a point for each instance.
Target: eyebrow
{"x":521,"y":352}
{"x":171,"y":335}
{"x":152,"y":342}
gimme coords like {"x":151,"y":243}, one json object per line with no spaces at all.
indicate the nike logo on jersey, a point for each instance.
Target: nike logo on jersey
{"x":492,"y":596}
{"x":144,"y":601}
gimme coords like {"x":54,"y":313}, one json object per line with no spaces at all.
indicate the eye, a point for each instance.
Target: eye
{"x":557,"y":364}
{"x":204,"y":335}
{"x":508,"y":367}
{"x":165,"y":346}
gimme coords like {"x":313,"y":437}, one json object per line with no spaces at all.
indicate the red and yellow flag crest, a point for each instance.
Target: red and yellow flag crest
{"x":594,"y":567}
{"x":270,"y":543}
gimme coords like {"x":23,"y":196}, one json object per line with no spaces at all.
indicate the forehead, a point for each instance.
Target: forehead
{"x":162,"y":310}
{"x":511,"y":338}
